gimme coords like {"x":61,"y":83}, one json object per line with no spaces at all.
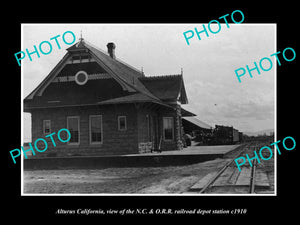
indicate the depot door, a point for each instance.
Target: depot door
{"x":154,"y":131}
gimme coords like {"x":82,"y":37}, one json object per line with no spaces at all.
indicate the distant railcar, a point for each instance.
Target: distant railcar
{"x":235,"y":136}
{"x":220,"y":135}
{"x":225,"y":135}
{"x":241,"y":139}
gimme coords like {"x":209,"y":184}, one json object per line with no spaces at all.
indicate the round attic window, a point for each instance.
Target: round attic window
{"x":81,"y":77}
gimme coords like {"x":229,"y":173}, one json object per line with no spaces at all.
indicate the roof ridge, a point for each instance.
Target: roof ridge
{"x":96,"y":47}
{"x":116,"y":58}
{"x":161,"y":76}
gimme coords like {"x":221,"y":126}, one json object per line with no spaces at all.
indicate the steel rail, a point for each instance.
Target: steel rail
{"x":252,"y":179}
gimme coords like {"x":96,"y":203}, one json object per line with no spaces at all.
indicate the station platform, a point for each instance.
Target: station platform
{"x":195,"y":150}
{"x":190,"y":155}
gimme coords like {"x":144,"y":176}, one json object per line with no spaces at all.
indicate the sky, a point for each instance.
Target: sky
{"x":208,"y":65}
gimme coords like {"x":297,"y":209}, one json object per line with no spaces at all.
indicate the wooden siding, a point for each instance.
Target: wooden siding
{"x":114,"y":141}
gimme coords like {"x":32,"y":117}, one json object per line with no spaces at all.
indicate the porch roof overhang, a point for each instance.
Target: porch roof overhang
{"x":134,"y":98}
{"x":197,"y":122}
{"x":186,"y":113}
{"x":129,"y":99}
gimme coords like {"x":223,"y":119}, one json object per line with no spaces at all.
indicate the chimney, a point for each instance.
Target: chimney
{"x":111,"y":49}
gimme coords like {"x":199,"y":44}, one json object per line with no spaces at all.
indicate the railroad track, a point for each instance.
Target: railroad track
{"x":229,"y":179}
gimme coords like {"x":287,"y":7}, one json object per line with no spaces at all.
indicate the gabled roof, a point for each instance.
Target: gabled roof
{"x":126,"y":76}
{"x":49,"y":78}
{"x":159,"y":89}
{"x":166,"y":88}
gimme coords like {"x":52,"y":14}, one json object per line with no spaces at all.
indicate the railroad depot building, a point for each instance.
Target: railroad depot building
{"x":109,"y":107}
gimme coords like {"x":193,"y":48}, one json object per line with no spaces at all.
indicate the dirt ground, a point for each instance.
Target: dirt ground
{"x":141,"y":180}
{"x":130,"y":180}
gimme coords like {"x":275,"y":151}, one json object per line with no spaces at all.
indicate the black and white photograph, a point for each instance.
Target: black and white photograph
{"x":147,"y":112}
{"x":149,"y":109}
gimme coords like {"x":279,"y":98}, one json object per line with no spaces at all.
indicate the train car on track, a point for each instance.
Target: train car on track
{"x":220,"y":135}
{"x":235,"y":136}
{"x":225,"y":135}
